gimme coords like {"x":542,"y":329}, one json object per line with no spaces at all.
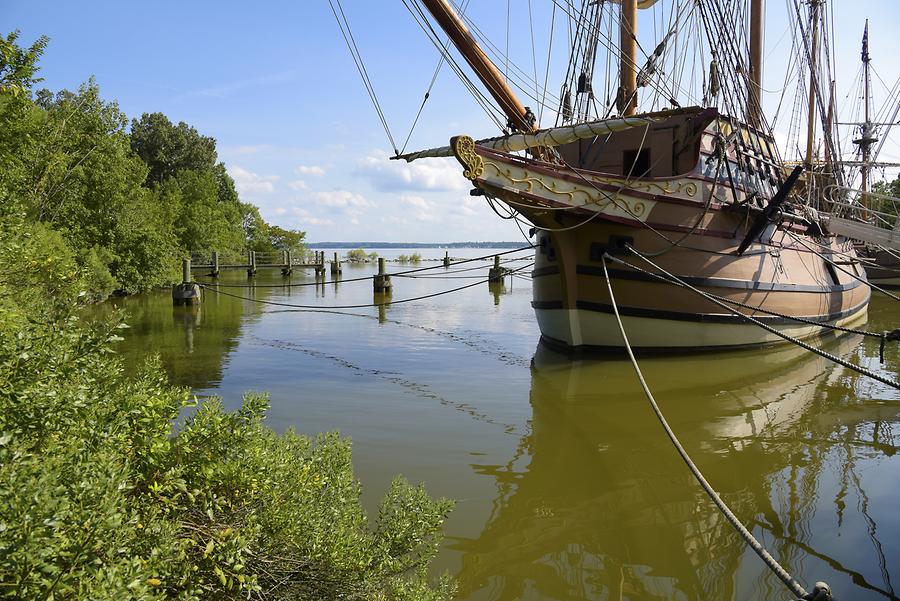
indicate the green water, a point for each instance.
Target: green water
{"x":566,"y":486}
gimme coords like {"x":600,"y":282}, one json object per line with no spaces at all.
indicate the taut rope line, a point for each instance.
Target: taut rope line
{"x":795,"y":587}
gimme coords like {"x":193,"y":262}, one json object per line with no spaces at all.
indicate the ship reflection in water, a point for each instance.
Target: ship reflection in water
{"x":596,"y":504}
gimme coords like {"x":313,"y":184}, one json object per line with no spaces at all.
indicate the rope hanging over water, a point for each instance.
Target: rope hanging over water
{"x":359,"y":306}
{"x":822,"y":591}
{"x":397,"y":274}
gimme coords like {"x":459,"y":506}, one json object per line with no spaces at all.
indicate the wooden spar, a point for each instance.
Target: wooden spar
{"x":813,"y":59}
{"x":450,"y":22}
{"x":553,"y":136}
{"x":754,"y":106}
{"x":628,"y":59}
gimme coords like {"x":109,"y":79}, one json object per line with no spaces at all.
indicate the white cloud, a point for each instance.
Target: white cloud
{"x":394,"y":220}
{"x":341,"y":199}
{"x":298,"y":185}
{"x":309,"y":170}
{"x":419,"y":208}
{"x":426,"y":174}
{"x":248,"y":149}
{"x":469,"y":206}
{"x":248,"y":182}
{"x":306,"y":218}
{"x":229,"y":88}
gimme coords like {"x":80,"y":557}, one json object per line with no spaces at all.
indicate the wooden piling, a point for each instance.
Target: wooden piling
{"x":288,"y":268}
{"x":215,"y":264}
{"x":382,"y":281}
{"x":251,"y":263}
{"x":496,"y":272}
{"x":446,"y":258}
{"x":335,"y":265}
{"x":185,"y":293}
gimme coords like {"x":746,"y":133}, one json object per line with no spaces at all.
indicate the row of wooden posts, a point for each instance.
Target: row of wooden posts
{"x":188,"y":292}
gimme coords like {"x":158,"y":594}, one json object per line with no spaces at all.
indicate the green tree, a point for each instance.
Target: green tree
{"x":167,"y":148}
{"x":18,"y":66}
{"x":283,"y":239}
{"x":885,"y":205}
{"x":203,"y":223}
{"x":84,"y":180}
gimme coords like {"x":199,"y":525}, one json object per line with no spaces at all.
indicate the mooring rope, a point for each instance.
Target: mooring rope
{"x":359,"y":306}
{"x":795,"y":587}
{"x":763,"y":325}
{"x":369,"y":277}
{"x":449,"y":273}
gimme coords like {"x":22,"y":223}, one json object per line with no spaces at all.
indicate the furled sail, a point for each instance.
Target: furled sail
{"x":553,"y":136}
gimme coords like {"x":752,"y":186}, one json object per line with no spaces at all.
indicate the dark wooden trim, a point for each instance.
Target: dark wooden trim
{"x":708,"y":317}
{"x":547,"y":304}
{"x":544,"y":271}
{"x":637,"y":276}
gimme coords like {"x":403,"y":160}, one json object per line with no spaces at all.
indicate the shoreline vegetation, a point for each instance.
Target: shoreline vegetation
{"x":100,"y":496}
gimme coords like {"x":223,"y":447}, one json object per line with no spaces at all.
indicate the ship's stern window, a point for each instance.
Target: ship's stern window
{"x":636,"y":163}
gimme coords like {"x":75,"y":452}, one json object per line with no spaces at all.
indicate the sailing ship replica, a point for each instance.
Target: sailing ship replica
{"x":701,"y":192}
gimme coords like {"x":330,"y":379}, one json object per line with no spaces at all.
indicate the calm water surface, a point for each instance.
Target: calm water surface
{"x":566,"y":486}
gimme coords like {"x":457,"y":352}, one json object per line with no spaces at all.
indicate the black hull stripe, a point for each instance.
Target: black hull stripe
{"x":602,"y":350}
{"x":542,"y":271}
{"x":695,"y":317}
{"x":546,"y":304}
{"x":636,"y":276}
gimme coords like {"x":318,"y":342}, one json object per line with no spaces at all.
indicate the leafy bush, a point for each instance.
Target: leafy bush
{"x":359,"y":255}
{"x":97,"y":279}
{"x":99,"y":499}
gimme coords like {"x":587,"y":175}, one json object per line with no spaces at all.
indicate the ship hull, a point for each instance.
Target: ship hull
{"x":885,"y":273}
{"x":582,"y":330}
{"x":686,"y":226}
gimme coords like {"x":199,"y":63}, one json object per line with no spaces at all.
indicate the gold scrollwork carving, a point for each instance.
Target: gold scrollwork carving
{"x":464,"y":150}
{"x":638,"y":208}
{"x":601,"y":200}
{"x":687,"y":188}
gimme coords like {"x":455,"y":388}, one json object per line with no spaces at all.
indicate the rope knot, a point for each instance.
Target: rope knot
{"x":820,"y":592}
{"x":891,"y":336}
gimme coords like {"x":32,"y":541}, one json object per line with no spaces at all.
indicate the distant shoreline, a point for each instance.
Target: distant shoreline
{"x":416,"y":244}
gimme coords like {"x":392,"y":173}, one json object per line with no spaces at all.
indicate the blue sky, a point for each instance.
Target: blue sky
{"x":274,"y":83}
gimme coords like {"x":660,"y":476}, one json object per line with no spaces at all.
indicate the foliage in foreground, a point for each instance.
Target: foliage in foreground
{"x":99,"y":499}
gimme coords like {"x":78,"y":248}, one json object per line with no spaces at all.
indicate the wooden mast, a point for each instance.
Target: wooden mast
{"x":866,"y":140}
{"x":754,"y":107}
{"x":459,"y":34}
{"x":814,"y":59}
{"x":628,"y":59}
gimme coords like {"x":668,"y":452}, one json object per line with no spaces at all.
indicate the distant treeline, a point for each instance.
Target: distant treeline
{"x":416,"y":244}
